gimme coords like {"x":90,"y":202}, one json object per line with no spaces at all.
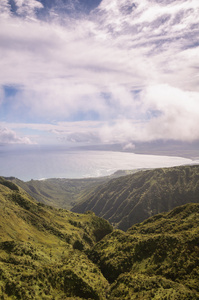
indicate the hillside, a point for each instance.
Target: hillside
{"x":157,"y":259}
{"x":63,"y":192}
{"x":49,"y":253}
{"x":131,"y":199}
{"x":40,"y":247}
{"x":58,"y":192}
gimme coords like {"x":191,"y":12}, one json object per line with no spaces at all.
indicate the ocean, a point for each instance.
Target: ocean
{"x":42,"y":162}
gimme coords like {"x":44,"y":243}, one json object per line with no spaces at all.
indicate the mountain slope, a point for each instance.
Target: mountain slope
{"x":131,"y":199}
{"x":40,"y":247}
{"x":49,"y":253}
{"x":157,"y":259}
{"x":57,"y":192}
{"x":63,"y":192}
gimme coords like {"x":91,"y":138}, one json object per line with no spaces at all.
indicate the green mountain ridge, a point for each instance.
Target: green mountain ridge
{"x":156,"y":259}
{"x":40,"y":255}
{"x":50,"y":253}
{"x":63,"y":192}
{"x":133,"y":198}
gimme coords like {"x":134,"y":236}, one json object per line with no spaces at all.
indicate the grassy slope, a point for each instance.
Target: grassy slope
{"x":49,"y":253}
{"x":58,"y":192}
{"x":131,"y":199}
{"x":63,"y":192}
{"x":40,"y":255}
{"x":157,"y":259}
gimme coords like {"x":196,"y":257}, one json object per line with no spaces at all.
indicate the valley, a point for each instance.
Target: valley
{"x":48,"y":252}
{"x":131,"y":199}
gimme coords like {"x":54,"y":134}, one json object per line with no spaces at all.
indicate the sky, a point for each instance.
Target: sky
{"x":87,"y":72}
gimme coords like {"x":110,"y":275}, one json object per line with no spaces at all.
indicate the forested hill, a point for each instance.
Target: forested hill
{"x":48,"y":253}
{"x":156,"y":259}
{"x":41,"y":249}
{"x":131,"y":199}
{"x":63,"y":192}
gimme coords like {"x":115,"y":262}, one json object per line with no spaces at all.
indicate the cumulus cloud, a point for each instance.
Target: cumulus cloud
{"x":129,"y":146}
{"x":8,"y":136}
{"x":27,"y":7}
{"x":5,"y":8}
{"x":178,"y":113}
{"x":132,"y":70}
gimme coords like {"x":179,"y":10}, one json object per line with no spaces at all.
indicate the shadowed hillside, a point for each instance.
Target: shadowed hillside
{"x":40,"y":247}
{"x":49,"y":253}
{"x":131,"y":199}
{"x":157,"y":259}
{"x":63,"y":192}
{"x":58,"y":192}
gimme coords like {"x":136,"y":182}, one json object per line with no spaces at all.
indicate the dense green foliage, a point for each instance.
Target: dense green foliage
{"x":131,"y":199}
{"x":63,"y":192}
{"x":58,"y":192}
{"x":9,"y":184}
{"x":157,"y":259}
{"x":40,"y":255}
{"x":49,"y":253}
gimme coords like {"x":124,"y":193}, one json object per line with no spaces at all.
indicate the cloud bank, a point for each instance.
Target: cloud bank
{"x":8,"y":136}
{"x":121,"y":71}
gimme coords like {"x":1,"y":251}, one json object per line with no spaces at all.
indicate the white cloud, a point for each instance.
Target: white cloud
{"x":27,"y":7}
{"x":4,"y":8}
{"x":178,"y":113}
{"x":129,"y":146}
{"x":8,"y":136}
{"x":133,"y":68}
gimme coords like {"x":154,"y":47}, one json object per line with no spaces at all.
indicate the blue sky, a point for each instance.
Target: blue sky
{"x":99,"y":72}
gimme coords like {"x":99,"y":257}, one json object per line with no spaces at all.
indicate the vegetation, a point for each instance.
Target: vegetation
{"x":9,"y":184}
{"x":50,"y":253}
{"x":62,"y":192}
{"x":157,"y":259}
{"x":40,"y":255}
{"x":131,"y":199}
{"x":58,"y":192}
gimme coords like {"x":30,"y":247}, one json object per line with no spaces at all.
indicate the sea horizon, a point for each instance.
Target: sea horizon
{"x":41,"y":163}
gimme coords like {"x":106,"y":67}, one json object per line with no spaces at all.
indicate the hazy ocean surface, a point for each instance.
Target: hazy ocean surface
{"x":39,"y":163}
